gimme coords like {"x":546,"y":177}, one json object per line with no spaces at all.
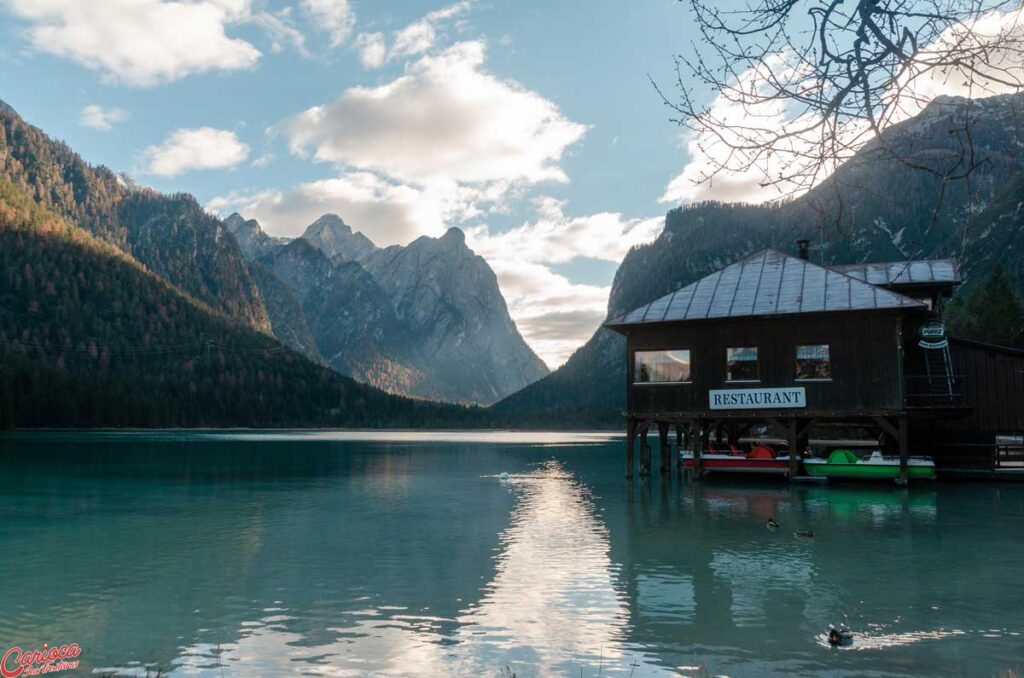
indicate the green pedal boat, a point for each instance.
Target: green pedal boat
{"x":845,"y":464}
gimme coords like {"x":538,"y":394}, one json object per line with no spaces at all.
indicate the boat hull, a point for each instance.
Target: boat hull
{"x":725,"y":463}
{"x":867,"y":471}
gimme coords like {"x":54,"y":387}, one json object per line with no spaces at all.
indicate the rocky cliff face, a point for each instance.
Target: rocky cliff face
{"x":426,"y":319}
{"x":448,"y":298}
{"x":251,"y":239}
{"x":883,"y":210}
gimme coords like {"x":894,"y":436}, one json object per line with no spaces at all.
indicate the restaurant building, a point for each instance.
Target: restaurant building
{"x":776,"y":341}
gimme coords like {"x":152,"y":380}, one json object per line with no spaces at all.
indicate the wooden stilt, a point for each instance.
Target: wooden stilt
{"x":904,"y":450}
{"x":666,"y":450}
{"x":630,"y":442}
{"x":697,"y":441}
{"x":645,"y":452}
{"x":679,"y":448}
{"x":794,"y":445}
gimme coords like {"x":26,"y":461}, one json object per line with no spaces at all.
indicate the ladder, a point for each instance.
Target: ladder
{"x":939,"y":368}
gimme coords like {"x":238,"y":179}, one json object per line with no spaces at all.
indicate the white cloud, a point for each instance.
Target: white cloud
{"x":557,"y":238}
{"x":190,"y":149}
{"x":281,"y":31}
{"x":415,"y":39}
{"x":445,"y":119}
{"x":334,"y":17}
{"x":140,"y":42}
{"x":554,"y":315}
{"x":385,"y":212}
{"x":103,"y":119}
{"x":373,"y":50}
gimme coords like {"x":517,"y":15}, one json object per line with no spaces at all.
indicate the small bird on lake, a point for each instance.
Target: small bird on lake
{"x":772,"y":524}
{"x":805,"y":534}
{"x":840,"y":636}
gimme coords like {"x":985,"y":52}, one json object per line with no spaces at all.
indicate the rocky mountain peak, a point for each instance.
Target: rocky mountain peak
{"x":332,"y":236}
{"x":329,"y":221}
{"x":253,"y":242}
{"x":454,"y":236}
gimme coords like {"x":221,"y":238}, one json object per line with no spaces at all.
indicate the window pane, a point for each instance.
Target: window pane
{"x":661,"y":366}
{"x":741,"y":363}
{"x":813,"y":362}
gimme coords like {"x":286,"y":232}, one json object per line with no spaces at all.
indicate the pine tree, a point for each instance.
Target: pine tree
{"x":992,"y":313}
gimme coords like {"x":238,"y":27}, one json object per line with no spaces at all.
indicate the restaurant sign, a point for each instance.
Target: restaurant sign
{"x":933,"y":335}
{"x":758,"y":398}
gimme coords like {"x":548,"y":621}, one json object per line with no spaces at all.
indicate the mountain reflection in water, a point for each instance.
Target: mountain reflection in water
{"x":551,"y":605}
{"x":249,"y":554}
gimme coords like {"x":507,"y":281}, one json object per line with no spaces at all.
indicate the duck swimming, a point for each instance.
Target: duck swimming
{"x":804,"y":534}
{"x":840,"y":636}
{"x":772,"y":524}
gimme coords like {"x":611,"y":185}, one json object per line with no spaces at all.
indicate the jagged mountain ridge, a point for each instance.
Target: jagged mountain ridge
{"x":91,"y":337}
{"x":425,"y":319}
{"x":876,"y":207}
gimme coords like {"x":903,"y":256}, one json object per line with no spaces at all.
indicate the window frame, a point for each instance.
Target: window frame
{"x":805,"y":380}
{"x":756,"y":361}
{"x":634,"y":381}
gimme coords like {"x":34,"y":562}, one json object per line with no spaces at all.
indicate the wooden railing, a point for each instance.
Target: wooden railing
{"x":1008,"y":455}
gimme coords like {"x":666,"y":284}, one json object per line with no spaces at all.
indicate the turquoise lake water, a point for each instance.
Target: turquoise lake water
{"x":255,"y":554}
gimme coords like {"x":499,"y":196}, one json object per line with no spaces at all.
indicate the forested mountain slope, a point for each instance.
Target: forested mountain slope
{"x":170,"y":235}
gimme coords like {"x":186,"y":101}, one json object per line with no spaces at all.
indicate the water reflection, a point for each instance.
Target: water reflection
{"x":551,"y":607}
{"x":329,"y":557}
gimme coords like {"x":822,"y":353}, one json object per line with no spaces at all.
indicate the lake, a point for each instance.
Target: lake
{"x":265,"y":554}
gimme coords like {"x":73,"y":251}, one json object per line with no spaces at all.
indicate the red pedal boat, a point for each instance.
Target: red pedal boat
{"x":761,"y":459}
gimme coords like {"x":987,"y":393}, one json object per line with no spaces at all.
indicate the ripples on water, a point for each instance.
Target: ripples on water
{"x":275,"y":554}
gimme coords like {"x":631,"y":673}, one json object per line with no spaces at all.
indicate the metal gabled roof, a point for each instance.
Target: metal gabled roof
{"x":766,"y":283}
{"x":919,"y":272}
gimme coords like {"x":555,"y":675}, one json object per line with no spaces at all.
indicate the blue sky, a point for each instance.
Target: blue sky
{"x":530,"y":124}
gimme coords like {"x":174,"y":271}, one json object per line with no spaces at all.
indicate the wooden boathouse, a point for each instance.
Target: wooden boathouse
{"x":776,"y":343}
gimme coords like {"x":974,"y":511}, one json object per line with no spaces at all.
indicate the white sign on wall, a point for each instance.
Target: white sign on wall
{"x":757,"y":398}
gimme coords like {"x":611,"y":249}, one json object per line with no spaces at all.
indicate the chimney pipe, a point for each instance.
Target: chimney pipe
{"x":804,"y":246}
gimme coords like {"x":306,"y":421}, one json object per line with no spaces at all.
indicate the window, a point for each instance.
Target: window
{"x":653,"y":367}
{"x":741,"y":364}
{"x":813,"y":362}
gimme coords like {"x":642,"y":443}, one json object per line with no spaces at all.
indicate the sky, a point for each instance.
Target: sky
{"x":532,"y":125}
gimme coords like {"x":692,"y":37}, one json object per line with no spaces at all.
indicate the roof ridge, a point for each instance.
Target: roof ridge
{"x":880,"y":297}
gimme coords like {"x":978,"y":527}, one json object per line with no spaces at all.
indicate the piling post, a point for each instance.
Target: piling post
{"x":666,"y":451}
{"x":904,"y":451}
{"x":697,"y":440}
{"x":679,"y":448}
{"x":630,"y":442}
{"x":645,"y":451}
{"x":794,"y":444}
